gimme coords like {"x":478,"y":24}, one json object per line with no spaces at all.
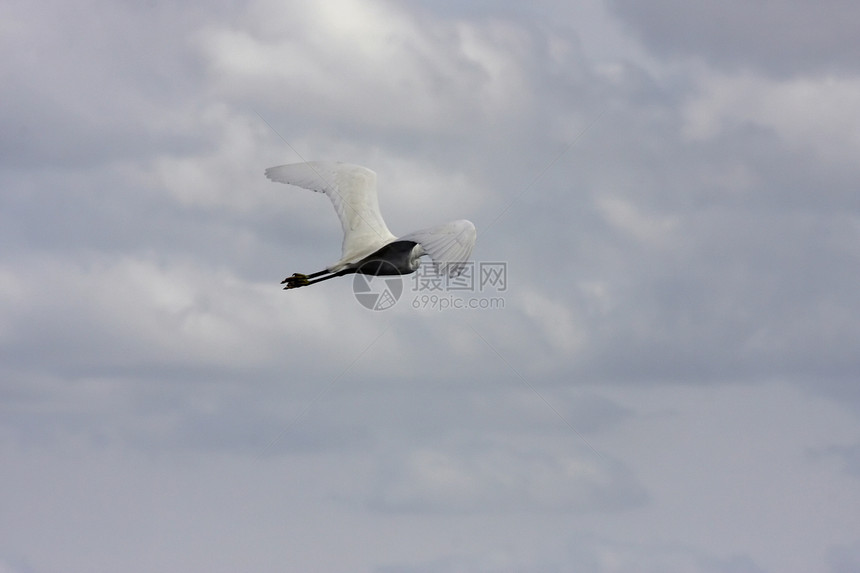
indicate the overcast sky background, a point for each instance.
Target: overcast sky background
{"x":671,"y":386}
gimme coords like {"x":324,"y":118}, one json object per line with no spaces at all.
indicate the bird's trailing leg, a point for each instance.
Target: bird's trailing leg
{"x":300,"y":280}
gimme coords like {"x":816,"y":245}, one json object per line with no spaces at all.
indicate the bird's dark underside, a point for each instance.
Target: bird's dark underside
{"x":391,"y":259}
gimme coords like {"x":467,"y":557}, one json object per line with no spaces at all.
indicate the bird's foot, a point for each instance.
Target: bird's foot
{"x":295,"y":281}
{"x":296,"y":276}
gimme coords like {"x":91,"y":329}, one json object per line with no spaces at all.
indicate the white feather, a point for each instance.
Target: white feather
{"x":352,"y":190}
{"x":449,"y":245}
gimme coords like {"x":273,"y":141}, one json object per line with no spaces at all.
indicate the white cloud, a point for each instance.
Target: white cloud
{"x":384,"y":68}
{"x":136,"y":312}
{"x":561,"y":329}
{"x":496,"y":478}
{"x":627,"y":218}
{"x":820,"y":115}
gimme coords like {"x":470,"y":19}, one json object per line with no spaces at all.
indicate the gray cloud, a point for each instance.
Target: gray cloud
{"x":775,"y":37}
{"x":844,"y":559}
{"x":586,"y":553}
{"x":848,"y":455}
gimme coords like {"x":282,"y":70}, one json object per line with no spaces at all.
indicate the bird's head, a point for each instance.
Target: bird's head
{"x":415,"y":257}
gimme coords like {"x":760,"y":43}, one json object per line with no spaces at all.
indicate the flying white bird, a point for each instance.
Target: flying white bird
{"x":368,"y":246}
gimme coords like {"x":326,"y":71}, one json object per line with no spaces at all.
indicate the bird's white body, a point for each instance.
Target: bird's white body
{"x":352,"y":191}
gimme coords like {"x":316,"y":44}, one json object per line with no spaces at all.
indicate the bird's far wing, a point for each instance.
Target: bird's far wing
{"x":352,"y":190}
{"x":449,"y":245}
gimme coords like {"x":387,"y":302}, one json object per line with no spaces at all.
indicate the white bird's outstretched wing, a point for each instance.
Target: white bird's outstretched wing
{"x":449,"y":245}
{"x":352,"y":190}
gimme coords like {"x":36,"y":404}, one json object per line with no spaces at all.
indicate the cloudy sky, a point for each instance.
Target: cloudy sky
{"x":668,"y":382}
